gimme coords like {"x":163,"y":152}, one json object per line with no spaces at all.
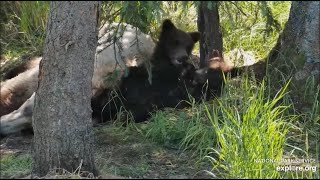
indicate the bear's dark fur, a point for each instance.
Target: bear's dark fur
{"x":170,"y":70}
{"x":208,"y":81}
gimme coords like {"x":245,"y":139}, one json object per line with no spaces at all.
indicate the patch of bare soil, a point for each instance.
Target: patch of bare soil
{"x":16,"y":144}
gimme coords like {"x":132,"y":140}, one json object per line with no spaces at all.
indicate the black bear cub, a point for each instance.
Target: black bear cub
{"x":169,"y":72}
{"x":208,"y":81}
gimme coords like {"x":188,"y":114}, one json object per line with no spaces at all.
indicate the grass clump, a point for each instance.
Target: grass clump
{"x":15,"y":166}
{"x":249,"y":132}
{"x":186,"y":129}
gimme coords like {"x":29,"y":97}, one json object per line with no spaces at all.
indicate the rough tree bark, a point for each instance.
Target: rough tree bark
{"x":62,"y":113}
{"x":210,"y":29}
{"x":299,"y":43}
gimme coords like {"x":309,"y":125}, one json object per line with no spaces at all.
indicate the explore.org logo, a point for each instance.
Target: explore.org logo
{"x":297,"y":168}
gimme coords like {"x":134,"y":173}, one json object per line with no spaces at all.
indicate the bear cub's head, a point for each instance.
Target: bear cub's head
{"x":176,"y":44}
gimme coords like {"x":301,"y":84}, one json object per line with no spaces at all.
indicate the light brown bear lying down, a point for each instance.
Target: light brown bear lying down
{"x":133,"y":49}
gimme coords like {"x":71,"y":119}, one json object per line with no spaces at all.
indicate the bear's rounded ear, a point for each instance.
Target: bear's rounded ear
{"x":167,"y":25}
{"x":195,"y":36}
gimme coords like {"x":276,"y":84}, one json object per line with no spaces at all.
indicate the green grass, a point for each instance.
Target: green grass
{"x":15,"y":166}
{"x":245,"y":28}
{"x":33,"y":22}
{"x":186,"y":129}
{"x":24,"y":33}
{"x":249,"y":122}
{"x":165,"y":128}
{"x":248,"y":131}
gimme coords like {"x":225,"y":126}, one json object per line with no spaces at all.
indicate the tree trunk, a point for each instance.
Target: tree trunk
{"x":62,"y":113}
{"x":298,"y":49}
{"x":209,"y":27}
{"x":297,"y":54}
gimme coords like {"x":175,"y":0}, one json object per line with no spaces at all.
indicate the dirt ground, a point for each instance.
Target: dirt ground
{"x":121,"y":155}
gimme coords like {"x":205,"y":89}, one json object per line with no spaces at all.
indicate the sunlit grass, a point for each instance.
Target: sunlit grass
{"x":28,"y":34}
{"x":249,"y":131}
